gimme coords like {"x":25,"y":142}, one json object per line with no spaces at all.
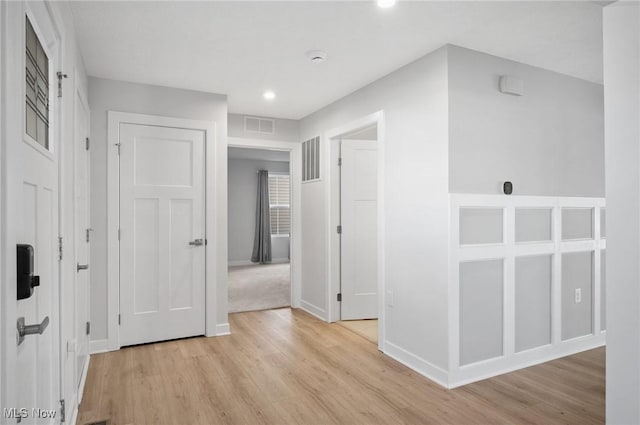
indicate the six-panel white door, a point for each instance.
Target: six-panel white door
{"x":162,"y":231}
{"x":359,"y":240}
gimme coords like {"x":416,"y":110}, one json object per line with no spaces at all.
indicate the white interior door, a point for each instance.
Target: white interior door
{"x":33,"y":198}
{"x":82,"y":235}
{"x":162,"y":230}
{"x":359,"y":240}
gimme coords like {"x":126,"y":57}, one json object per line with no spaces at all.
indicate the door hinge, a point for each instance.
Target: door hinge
{"x":339,"y":162}
{"x":339,"y":229}
{"x":118,"y":319}
{"x":60,"y":77}
{"x":339,"y":297}
{"x":118,"y":146}
{"x":60,"y":248}
{"x":88,"y":231}
{"x":87,"y":142}
{"x":88,"y":331}
{"x":63,"y":413}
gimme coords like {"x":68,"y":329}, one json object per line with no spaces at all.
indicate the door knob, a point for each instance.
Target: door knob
{"x":37,"y":329}
{"x":197,"y":242}
{"x":82,"y":267}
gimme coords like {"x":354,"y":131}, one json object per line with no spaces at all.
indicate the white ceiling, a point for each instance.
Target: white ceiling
{"x":258,"y":154}
{"x":242,"y":48}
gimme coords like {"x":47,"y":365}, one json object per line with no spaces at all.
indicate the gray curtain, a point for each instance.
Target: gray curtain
{"x":262,"y":239}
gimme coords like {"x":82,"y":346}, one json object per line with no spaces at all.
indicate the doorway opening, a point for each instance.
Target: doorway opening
{"x":260,"y":229}
{"x":357,"y":248}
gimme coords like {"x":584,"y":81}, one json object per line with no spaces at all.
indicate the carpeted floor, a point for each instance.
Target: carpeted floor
{"x":259,"y":287}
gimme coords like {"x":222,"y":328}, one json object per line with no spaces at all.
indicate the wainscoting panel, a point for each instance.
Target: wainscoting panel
{"x":481,"y":226}
{"x":481,"y":315}
{"x":534,"y":275}
{"x":526,"y":281}
{"x":534,"y":225}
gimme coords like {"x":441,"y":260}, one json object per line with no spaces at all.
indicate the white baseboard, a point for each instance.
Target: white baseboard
{"x":99,"y":346}
{"x":313,"y":310}
{"x":223,"y":329}
{"x":416,"y":363}
{"x":494,"y":367}
{"x":249,"y":262}
{"x":83,"y":380}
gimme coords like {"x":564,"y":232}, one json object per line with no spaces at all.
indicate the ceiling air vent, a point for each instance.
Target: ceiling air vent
{"x":259,"y":125}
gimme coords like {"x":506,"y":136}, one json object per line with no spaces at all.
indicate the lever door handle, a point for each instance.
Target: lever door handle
{"x":37,"y":329}
{"x":82,"y":267}
{"x":197,"y":242}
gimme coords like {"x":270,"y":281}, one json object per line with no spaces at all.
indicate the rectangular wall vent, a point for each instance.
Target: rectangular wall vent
{"x":259,"y":125}
{"x":311,"y":159}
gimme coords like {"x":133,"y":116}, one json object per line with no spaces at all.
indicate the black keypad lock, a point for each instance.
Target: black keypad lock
{"x":26,"y":280}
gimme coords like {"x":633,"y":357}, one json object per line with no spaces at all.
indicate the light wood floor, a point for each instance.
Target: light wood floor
{"x":281,"y":367}
{"x":365,"y":328}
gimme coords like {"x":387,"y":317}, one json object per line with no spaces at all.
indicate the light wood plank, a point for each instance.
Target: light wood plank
{"x":286,"y":367}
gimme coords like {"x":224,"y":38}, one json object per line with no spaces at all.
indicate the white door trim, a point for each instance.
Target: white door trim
{"x":212,"y":265}
{"x":332,"y":198}
{"x":295,"y":170}
{"x":3,"y":202}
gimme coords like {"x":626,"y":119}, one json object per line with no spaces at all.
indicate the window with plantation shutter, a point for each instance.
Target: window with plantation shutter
{"x":279,"y":204}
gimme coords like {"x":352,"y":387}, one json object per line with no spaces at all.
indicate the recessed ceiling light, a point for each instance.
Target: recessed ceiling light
{"x":269,"y":95}
{"x":385,"y":4}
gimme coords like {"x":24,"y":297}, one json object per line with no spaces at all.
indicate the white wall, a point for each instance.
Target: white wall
{"x":414,"y":101}
{"x":119,"y":96}
{"x":448,"y":129}
{"x":243,"y":187}
{"x":622,"y":141}
{"x":285,"y":130}
{"x":548,"y":142}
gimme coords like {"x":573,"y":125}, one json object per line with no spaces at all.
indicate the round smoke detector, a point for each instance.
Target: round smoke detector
{"x":317,"y":56}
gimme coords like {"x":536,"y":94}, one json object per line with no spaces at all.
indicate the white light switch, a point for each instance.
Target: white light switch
{"x":578,"y":295}
{"x":390,"y":298}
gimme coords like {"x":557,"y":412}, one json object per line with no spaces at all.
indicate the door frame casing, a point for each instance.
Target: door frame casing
{"x":213,"y":250}
{"x":295,"y":171}
{"x":332,"y":213}
{"x":80,"y":95}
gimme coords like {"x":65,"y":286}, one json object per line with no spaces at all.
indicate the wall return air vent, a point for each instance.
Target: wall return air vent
{"x":259,"y":125}
{"x":311,"y":159}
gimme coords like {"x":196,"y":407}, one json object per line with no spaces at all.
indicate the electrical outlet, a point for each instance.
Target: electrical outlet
{"x":578,"y":295}
{"x":390,"y":298}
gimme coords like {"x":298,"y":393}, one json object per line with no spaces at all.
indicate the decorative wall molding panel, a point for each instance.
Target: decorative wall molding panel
{"x":526,"y":281}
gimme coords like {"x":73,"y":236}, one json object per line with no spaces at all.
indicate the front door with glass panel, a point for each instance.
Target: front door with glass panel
{"x":34,"y":192}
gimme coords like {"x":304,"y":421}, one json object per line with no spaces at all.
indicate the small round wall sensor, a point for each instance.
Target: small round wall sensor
{"x":317,"y":56}
{"x":507,"y":188}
